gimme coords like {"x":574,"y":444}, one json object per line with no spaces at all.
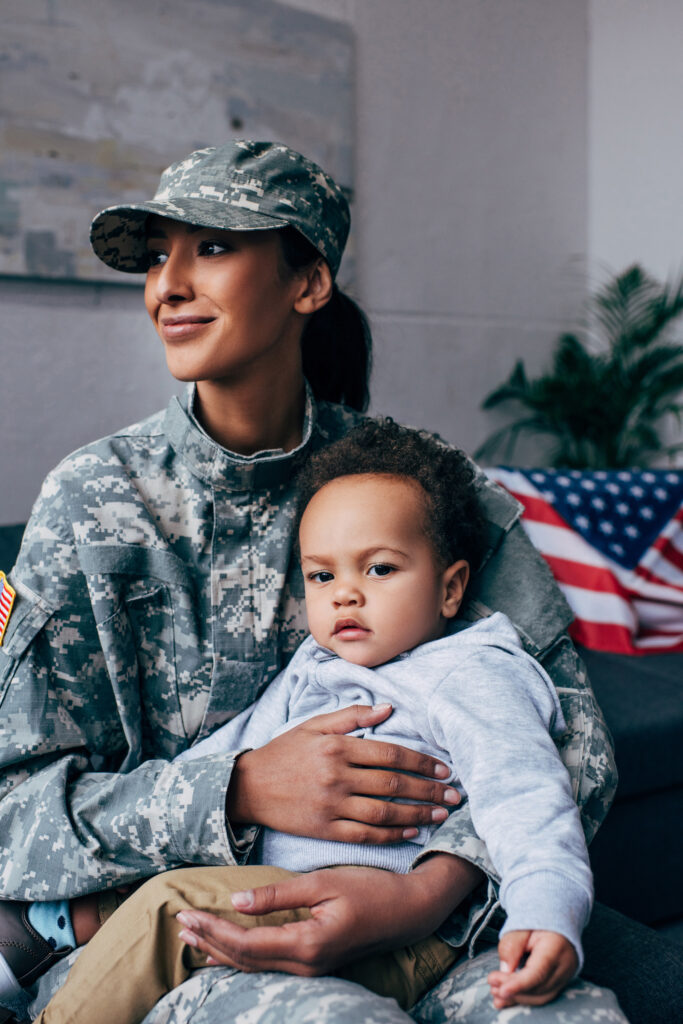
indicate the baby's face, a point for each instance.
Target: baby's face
{"x":373,"y":585}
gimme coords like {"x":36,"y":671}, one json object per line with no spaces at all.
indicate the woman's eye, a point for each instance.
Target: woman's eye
{"x":381,"y":570}
{"x":155,"y":257}
{"x":210,"y":247}
{"x":321,"y":576}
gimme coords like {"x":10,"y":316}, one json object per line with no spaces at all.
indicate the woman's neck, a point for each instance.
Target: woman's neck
{"x":250,"y":416}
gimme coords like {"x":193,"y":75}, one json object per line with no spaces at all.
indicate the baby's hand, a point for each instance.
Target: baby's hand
{"x":550,"y":965}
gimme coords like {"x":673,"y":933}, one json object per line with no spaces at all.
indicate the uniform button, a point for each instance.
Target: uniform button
{"x":61,"y":921}
{"x":52,"y":942}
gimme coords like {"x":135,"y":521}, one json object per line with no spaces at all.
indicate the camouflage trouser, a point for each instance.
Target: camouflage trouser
{"x":218,"y":995}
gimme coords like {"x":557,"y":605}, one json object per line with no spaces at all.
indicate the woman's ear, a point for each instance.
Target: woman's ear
{"x":316,"y":288}
{"x":455,"y":579}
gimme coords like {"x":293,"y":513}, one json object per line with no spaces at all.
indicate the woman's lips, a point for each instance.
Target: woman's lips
{"x":179,"y":327}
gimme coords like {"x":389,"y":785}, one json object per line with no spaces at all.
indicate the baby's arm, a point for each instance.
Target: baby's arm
{"x":494,"y":715}
{"x":534,"y":968}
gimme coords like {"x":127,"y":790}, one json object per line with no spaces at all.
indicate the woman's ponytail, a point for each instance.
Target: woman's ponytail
{"x":336,"y":345}
{"x":336,"y":349}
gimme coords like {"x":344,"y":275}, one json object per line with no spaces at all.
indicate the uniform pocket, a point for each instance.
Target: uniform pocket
{"x":150,"y":614}
{"x":28,"y":616}
{"x":144,"y":602}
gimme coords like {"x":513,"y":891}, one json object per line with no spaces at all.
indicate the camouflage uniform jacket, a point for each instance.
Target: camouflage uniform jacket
{"x":157,"y":594}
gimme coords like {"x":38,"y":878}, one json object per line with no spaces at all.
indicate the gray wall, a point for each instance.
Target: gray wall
{"x":470,"y":234}
{"x":636,"y":142}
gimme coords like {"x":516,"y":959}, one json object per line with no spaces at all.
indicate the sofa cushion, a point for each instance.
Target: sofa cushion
{"x":642,"y":703}
{"x":10,"y":541}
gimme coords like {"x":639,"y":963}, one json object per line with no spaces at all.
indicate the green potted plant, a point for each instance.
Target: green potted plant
{"x":604,"y":401}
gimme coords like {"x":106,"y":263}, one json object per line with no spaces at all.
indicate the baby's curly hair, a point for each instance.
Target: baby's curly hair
{"x":454,"y":521}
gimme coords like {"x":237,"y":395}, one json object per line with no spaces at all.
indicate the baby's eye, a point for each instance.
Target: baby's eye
{"x":381,"y":570}
{"x":155,"y":257}
{"x":212,"y":247}
{"x":322,"y":576}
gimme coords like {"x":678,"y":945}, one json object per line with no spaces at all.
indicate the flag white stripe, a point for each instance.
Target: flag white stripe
{"x":592,"y":606}
{"x":634,"y":583}
{"x":654,"y":561}
{"x":655,"y":615}
{"x":559,"y":542}
{"x":512,"y":481}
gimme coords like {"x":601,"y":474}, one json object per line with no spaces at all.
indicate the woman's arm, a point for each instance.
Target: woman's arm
{"x":355,"y":911}
{"x":314,"y":781}
{"x":79,"y":808}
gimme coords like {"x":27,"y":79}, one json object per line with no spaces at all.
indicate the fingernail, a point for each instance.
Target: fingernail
{"x":187,"y":919}
{"x":451,"y":796}
{"x":243,"y":900}
{"x":212,"y":963}
{"x":409,"y":833}
{"x":189,"y":937}
{"x":381,"y":707}
{"x":439,"y":814}
{"x":505,"y":968}
{"x":441,"y":771}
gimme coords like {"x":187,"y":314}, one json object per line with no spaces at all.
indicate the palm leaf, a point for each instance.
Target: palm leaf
{"x":515,"y":388}
{"x":603,"y":405}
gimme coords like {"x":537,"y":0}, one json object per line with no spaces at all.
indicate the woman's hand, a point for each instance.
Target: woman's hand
{"x":315,"y":781}
{"x":354,"y":911}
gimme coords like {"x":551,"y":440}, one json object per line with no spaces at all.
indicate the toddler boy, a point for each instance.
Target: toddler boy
{"x":389,"y":532}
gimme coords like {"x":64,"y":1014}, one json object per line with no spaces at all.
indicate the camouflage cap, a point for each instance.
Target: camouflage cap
{"x":241,"y":186}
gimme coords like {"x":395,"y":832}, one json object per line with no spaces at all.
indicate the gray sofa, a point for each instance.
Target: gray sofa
{"x":636,"y":854}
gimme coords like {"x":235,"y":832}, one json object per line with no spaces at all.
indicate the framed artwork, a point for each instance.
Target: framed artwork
{"x":97,"y":97}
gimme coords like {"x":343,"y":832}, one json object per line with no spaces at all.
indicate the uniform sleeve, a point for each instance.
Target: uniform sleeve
{"x":495,"y":716}
{"x":79,"y":809}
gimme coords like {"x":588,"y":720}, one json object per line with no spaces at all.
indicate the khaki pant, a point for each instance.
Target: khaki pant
{"x":137,"y":956}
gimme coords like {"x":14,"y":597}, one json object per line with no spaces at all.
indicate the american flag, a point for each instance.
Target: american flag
{"x":614,"y":542}
{"x":7,"y":596}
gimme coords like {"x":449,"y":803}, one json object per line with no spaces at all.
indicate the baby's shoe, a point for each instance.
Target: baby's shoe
{"x":24,"y":954}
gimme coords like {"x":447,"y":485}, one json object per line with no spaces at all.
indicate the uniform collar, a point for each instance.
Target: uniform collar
{"x":222,"y":468}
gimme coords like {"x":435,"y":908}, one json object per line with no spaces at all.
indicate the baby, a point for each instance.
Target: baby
{"x":389,"y":532}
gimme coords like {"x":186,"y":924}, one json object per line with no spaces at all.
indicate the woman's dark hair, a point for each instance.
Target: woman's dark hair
{"x":336,"y":346}
{"x":454,"y":521}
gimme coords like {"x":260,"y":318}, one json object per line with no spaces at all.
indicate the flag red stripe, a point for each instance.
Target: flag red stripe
{"x":540,"y":511}
{"x":590,"y":577}
{"x":602,"y":636}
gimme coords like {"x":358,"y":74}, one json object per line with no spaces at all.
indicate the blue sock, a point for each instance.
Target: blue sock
{"x":52,"y":920}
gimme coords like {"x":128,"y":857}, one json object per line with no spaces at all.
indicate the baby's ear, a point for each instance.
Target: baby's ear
{"x":455,"y":579}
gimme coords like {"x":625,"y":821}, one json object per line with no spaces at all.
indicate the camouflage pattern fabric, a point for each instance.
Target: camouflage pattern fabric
{"x":220,"y":995}
{"x":157,"y":595}
{"x":241,"y":186}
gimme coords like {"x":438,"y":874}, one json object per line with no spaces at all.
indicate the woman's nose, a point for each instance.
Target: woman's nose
{"x":174,"y":280}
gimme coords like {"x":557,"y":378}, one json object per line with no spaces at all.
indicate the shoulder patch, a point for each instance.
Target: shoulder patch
{"x":7,"y":595}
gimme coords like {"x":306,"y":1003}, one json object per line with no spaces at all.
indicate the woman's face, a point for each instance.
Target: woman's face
{"x":220,"y":301}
